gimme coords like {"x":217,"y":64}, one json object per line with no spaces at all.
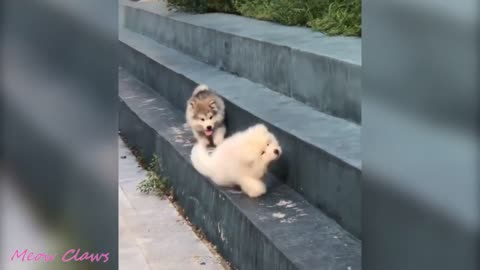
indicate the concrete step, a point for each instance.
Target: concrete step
{"x":323,"y":72}
{"x":321,"y":153}
{"x":279,"y":230}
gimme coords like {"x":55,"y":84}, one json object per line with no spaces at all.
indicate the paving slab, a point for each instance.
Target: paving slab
{"x":153,"y":235}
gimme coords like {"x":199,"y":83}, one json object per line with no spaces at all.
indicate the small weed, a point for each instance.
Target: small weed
{"x":154,"y":182}
{"x":138,"y":156}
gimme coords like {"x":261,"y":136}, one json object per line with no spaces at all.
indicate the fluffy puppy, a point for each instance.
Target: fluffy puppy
{"x":241,"y":159}
{"x":205,"y":115}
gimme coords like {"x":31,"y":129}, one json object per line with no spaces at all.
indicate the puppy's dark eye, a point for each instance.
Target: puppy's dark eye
{"x":211,"y":117}
{"x":203,"y":119}
{"x":263,"y":152}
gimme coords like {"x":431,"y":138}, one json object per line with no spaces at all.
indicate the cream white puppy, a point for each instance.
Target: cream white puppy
{"x":241,"y":159}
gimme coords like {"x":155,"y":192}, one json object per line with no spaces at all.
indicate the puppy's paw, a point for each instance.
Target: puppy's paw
{"x":219,"y":136}
{"x":218,"y":139}
{"x":253,"y":187}
{"x":204,"y":141}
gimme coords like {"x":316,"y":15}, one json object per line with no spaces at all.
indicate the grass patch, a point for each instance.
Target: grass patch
{"x":154,"y":182}
{"x":333,"y":17}
{"x":341,"y":18}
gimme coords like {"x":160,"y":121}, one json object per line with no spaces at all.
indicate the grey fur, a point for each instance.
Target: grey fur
{"x":206,"y":108}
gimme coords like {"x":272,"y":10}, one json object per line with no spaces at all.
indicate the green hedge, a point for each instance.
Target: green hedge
{"x":333,"y":17}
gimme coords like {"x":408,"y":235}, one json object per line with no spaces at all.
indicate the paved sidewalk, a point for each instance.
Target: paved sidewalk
{"x":153,"y":236}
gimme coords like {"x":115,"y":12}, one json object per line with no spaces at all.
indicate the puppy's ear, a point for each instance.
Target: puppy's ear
{"x":260,"y":130}
{"x":249,"y":160}
{"x":249,"y":163}
{"x":191,"y":104}
{"x":249,"y":154}
{"x":212,"y":104}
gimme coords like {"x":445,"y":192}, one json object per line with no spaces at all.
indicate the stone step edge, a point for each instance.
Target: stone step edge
{"x":310,"y":139}
{"x":292,"y":233}
{"x":354,"y":42}
{"x":325,"y":83}
{"x":172,"y":59}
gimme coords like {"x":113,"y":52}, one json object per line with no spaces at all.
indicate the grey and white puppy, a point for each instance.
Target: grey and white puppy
{"x":205,"y":115}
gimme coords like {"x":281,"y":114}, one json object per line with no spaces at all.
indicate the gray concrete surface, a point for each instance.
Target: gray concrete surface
{"x":280,"y":230}
{"x":153,"y":236}
{"x":321,"y":71}
{"x":322,"y":154}
{"x":159,"y":6}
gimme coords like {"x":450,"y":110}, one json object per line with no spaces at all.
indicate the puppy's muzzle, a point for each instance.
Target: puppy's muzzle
{"x":276,"y":152}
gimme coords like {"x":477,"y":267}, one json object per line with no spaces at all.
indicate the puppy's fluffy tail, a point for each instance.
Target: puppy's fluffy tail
{"x":202,"y":161}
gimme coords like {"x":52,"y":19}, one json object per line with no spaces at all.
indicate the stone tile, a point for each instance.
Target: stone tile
{"x":153,"y":235}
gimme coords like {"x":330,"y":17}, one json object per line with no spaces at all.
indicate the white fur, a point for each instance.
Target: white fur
{"x":199,"y":88}
{"x":241,"y":159}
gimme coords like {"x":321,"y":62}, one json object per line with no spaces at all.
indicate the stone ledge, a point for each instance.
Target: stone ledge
{"x":280,"y":230}
{"x":322,"y":153}
{"x":320,"y":71}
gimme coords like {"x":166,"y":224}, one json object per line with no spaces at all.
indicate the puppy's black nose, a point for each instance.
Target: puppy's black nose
{"x":276,"y":152}
{"x":209,"y":127}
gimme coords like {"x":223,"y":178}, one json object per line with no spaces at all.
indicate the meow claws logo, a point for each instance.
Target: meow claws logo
{"x":71,"y":255}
